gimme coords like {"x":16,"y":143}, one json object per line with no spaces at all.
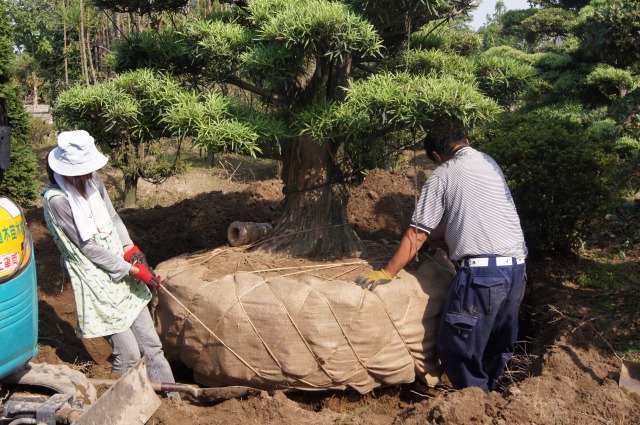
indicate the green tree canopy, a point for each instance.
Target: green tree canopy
{"x":129,"y":115}
{"x":19,"y":180}
{"x":552,"y":157}
{"x":142,"y":7}
{"x":609,"y":32}
{"x":316,"y":64}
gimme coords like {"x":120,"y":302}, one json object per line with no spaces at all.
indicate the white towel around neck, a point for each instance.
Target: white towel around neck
{"x":89,"y":214}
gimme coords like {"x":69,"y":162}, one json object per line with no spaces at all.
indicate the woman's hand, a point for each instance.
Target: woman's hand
{"x":139,"y":271}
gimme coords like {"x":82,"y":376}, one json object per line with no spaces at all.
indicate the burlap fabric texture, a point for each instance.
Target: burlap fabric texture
{"x":276,"y":333}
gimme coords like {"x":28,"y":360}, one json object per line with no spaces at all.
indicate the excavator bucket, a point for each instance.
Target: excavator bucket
{"x":630,"y":376}
{"x":131,"y":400}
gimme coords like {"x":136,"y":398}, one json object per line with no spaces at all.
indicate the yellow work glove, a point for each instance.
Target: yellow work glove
{"x":373,"y":278}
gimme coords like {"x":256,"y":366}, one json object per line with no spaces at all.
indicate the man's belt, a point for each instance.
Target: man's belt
{"x":490,"y":261}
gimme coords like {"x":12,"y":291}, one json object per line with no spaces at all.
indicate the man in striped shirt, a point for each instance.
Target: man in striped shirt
{"x":467,"y":201}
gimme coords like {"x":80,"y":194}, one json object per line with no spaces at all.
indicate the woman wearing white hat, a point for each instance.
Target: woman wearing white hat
{"x":109,"y":274}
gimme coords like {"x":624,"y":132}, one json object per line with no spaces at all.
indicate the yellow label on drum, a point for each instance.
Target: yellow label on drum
{"x":15,"y":249}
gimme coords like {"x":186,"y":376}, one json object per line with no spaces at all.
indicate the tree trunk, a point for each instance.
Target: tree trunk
{"x":64,"y":38}
{"x":116,"y":26}
{"x":132,"y":157}
{"x":83,"y":56}
{"x":130,"y":191}
{"x":35,"y":92}
{"x":89,"y":48}
{"x":314,"y":219}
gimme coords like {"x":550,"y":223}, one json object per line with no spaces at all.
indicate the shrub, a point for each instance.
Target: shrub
{"x":562,"y":172}
{"x":609,"y":32}
{"x":503,"y":78}
{"x":510,"y":52}
{"x":40,"y":132}
{"x":552,"y":61}
{"x":20,"y":179}
{"x":625,"y":111}
{"x":438,"y":63}
{"x":452,"y":40}
{"x":610,"y":82}
{"x":627,"y":147}
{"x":464,"y":43}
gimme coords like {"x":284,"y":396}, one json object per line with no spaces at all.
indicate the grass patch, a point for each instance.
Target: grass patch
{"x":607,"y":273}
{"x":352,"y":415}
{"x":632,"y":352}
{"x":607,"y":297}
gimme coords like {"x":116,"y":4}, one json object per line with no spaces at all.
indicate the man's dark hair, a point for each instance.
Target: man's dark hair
{"x":443,"y":143}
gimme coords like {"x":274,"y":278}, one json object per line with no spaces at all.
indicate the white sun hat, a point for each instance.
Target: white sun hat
{"x":76,"y":154}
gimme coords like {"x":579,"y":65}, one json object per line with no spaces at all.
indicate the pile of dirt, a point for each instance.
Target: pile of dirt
{"x":563,"y":375}
{"x":381,"y":207}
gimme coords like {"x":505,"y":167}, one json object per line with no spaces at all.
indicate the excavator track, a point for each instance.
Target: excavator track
{"x":131,"y":400}
{"x":59,"y":378}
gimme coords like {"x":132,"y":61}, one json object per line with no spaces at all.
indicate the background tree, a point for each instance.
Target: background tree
{"x":609,"y":32}
{"x":574,"y":124}
{"x":505,"y":29}
{"x":32,"y":22}
{"x":574,"y":5}
{"x":153,"y":9}
{"x":19,"y":180}
{"x":68,"y":40}
{"x":549,"y":25}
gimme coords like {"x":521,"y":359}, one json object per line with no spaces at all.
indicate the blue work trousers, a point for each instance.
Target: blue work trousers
{"x":479,"y":326}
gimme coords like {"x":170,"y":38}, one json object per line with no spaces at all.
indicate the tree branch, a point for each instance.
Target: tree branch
{"x":402,"y":16}
{"x":366,"y":68}
{"x":245,"y":85}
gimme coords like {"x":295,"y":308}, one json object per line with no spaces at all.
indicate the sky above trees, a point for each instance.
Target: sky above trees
{"x":488,"y":7}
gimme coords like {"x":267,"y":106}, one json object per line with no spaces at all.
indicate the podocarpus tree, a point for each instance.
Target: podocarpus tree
{"x":131,"y":114}
{"x":321,"y":65}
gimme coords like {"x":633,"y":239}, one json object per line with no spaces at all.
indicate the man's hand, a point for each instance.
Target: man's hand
{"x":147,"y":276}
{"x":373,"y":278}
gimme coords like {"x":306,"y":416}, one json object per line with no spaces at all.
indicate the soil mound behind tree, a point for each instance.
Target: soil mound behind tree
{"x":562,"y":374}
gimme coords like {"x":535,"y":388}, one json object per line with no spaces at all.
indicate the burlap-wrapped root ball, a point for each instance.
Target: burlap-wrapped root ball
{"x":241,"y":329}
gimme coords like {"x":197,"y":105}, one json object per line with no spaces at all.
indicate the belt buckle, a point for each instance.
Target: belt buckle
{"x":478,"y":262}
{"x":504,"y":261}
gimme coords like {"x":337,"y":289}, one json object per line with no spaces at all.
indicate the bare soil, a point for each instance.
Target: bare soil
{"x":564,"y":373}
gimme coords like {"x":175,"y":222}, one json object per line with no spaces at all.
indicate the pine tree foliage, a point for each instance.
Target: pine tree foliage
{"x":129,"y":115}
{"x":575,"y":122}
{"x":19,"y":180}
{"x":141,"y":7}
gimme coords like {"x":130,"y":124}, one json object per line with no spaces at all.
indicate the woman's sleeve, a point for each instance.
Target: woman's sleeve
{"x":98,"y":255}
{"x":117,"y":221}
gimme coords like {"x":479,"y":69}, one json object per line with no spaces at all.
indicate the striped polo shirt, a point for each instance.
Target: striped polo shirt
{"x":469,"y":192}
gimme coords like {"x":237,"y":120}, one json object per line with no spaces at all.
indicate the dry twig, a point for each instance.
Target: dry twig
{"x":585,"y":322}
